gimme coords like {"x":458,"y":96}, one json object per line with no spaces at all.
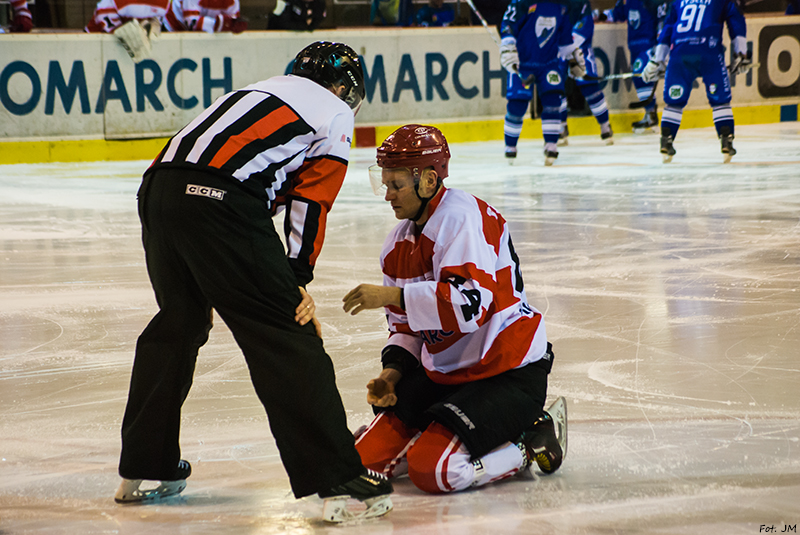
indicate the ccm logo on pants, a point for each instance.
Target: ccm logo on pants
{"x":205,"y":191}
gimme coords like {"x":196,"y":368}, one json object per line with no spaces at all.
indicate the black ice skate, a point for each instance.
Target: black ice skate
{"x":550,"y":154}
{"x":646,"y":124}
{"x":511,"y":154}
{"x":129,"y":491}
{"x":607,"y":134}
{"x":667,"y":150}
{"x":370,"y":487}
{"x":726,"y":142}
{"x":546,"y":440}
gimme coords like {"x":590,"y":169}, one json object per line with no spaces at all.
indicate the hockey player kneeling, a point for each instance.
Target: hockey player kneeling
{"x":460,"y":400}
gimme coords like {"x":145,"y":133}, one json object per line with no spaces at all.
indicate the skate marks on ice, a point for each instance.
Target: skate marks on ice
{"x":670,"y":294}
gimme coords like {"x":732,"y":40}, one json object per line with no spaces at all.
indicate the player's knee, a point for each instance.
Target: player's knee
{"x":435,"y":464}
{"x":515,"y":109}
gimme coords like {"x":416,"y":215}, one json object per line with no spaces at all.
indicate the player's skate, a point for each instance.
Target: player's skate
{"x":129,"y":491}
{"x":511,"y":154}
{"x":667,"y":150}
{"x":607,"y":134}
{"x":726,"y":142}
{"x":647,"y":124}
{"x":370,"y":487}
{"x":550,"y":154}
{"x":546,"y":440}
{"x":563,"y":137}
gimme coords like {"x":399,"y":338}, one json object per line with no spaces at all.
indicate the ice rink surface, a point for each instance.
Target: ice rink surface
{"x":670,"y":293}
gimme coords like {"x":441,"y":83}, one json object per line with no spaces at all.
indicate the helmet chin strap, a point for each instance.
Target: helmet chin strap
{"x":423,"y":200}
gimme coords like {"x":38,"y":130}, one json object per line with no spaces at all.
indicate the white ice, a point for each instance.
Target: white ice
{"x":670,"y":294}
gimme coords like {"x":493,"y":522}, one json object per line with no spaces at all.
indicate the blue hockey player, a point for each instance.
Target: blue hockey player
{"x":645,"y":19}
{"x":692,"y":37}
{"x":582,"y":34}
{"x":536,"y":36}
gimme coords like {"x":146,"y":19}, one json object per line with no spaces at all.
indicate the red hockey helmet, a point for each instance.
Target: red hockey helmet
{"x":414,"y":147}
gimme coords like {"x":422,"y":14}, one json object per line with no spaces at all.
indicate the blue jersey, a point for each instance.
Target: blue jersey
{"x":695,"y":26}
{"x":541,"y":30}
{"x":580,"y":16}
{"x":644,"y":17}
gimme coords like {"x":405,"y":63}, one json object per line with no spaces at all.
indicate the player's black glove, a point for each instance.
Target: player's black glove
{"x":741,"y":64}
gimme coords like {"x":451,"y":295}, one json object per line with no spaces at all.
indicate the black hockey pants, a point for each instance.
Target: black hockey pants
{"x":217,"y":248}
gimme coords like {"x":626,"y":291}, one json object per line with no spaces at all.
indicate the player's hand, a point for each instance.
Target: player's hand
{"x":370,"y":296}
{"x":741,"y":64}
{"x":509,"y":58}
{"x":381,"y":393}
{"x":306,"y":311}
{"x":652,"y":71}
{"x":577,"y":64}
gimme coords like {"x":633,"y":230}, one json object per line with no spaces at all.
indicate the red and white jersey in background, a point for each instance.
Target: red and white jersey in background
{"x":467,"y":316}
{"x":110,"y":14}
{"x":200,"y":15}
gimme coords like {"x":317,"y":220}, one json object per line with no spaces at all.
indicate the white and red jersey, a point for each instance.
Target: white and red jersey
{"x":111,"y":14}
{"x":467,"y":316}
{"x":200,"y":15}
{"x":288,"y":134}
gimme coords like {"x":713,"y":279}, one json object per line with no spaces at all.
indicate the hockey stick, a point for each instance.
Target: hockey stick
{"x":646,"y":102}
{"x":526,"y":82}
{"x":618,"y":76}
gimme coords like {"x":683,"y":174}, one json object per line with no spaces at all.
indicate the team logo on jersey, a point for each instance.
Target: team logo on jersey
{"x":205,"y":191}
{"x":553,"y":78}
{"x":634,"y":19}
{"x":637,"y":65}
{"x":675,"y":91}
{"x":712,"y":89}
{"x":545,"y":29}
{"x":531,"y":9}
{"x":346,"y":139}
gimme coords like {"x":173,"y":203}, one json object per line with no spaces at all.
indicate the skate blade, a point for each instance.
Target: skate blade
{"x":562,"y":142}
{"x":129,"y":491}
{"x":666,"y":158}
{"x":726,"y":158}
{"x":334,"y":510}
{"x":648,"y":130}
{"x":558,"y":411}
{"x":609,"y":141}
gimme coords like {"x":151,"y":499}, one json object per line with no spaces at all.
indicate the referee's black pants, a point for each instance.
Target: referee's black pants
{"x":204,"y":253}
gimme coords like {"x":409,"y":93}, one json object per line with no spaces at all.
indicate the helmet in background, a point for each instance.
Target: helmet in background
{"x":415,"y":147}
{"x":331,"y":65}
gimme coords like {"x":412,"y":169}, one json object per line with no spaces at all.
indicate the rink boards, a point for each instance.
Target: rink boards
{"x":66,"y":96}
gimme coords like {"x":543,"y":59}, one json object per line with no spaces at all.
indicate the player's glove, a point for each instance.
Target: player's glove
{"x":230,"y":24}
{"x":652,"y":71}
{"x":509,"y":58}
{"x":577,"y":64}
{"x":134,"y":37}
{"x":741,"y":64}
{"x":22,"y":21}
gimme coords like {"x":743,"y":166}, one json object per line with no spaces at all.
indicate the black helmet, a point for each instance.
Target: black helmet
{"x":333,"y":64}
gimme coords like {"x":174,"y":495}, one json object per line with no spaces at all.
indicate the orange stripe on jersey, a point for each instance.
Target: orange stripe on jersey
{"x":320,"y":180}
{"x":506,"y":353}
{"x":261,"y":129}
{"x":314,"y":180}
